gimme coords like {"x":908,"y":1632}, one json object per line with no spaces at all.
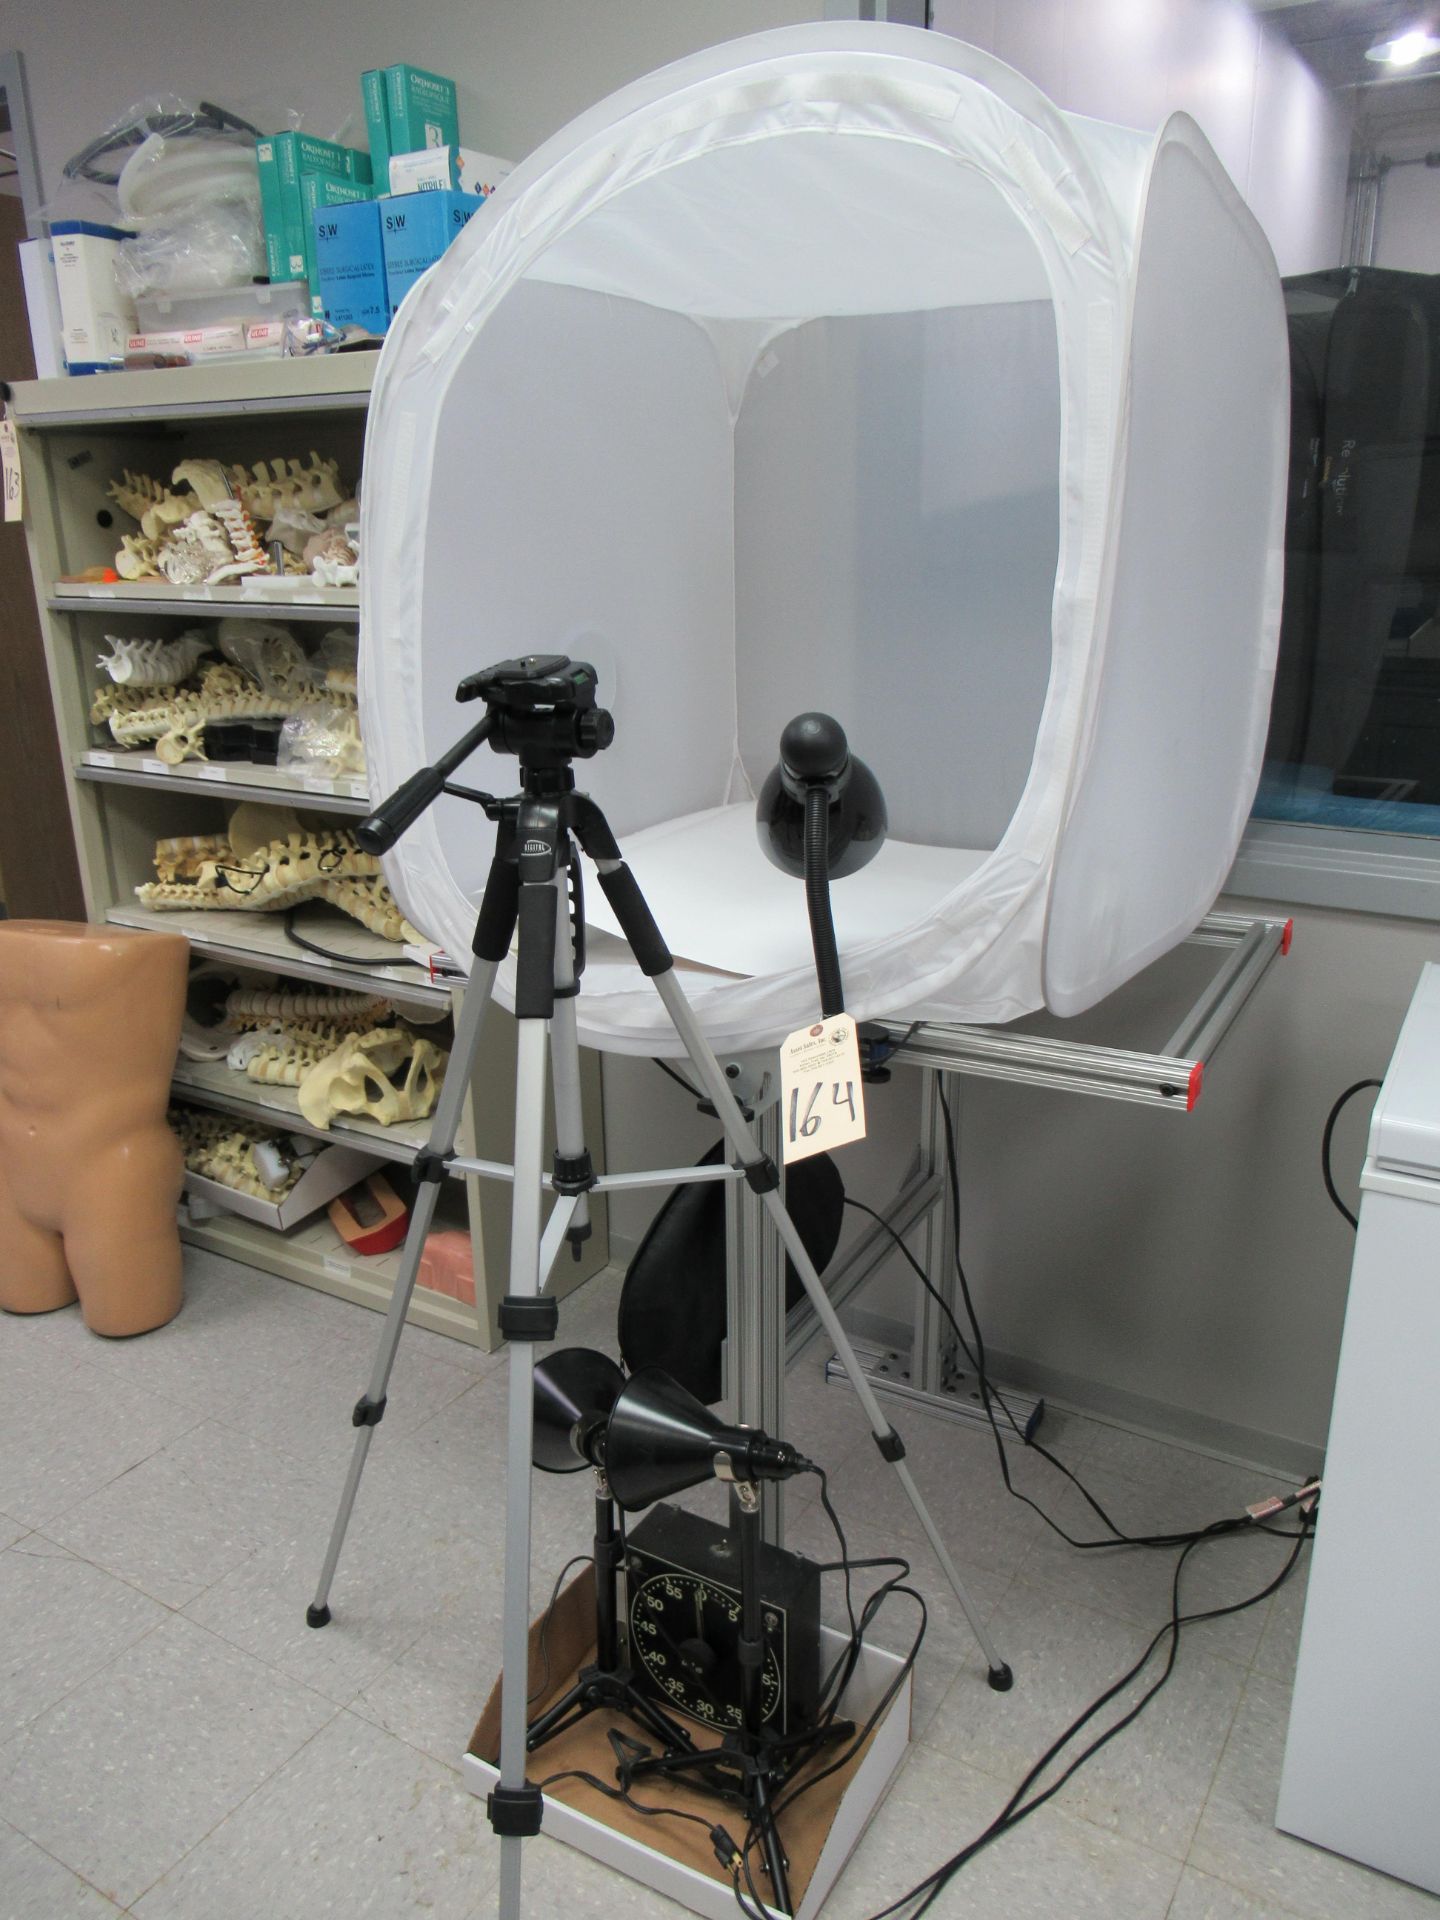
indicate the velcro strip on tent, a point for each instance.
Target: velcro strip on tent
{"x":1044,"y":194}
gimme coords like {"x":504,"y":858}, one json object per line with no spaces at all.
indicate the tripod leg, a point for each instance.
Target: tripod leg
{"x":565,"y":1070}
{"x":371,"y":1407}
{"x":524,"y":1284}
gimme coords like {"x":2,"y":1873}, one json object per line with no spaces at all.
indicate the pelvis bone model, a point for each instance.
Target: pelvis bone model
{"x":364,"y":1076}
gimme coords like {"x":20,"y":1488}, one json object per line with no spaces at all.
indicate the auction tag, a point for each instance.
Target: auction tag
{"x":10,"y":457}
{"x":822,"y":1098}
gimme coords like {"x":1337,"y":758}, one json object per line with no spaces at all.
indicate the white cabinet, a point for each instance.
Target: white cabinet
{"x":1362,"y":1761}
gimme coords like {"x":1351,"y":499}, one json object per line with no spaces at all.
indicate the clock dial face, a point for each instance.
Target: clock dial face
{"x":684,"y":1631}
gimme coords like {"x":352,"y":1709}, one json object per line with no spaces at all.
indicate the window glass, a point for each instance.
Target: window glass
{"x":1355,"y":727}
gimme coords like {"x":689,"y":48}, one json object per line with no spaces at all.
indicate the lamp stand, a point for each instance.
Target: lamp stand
{"x":607,"y":1685}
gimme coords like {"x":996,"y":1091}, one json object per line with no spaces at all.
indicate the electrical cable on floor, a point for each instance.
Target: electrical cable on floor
{"x":1328,"y":1136}
{"x":1018,"y":1807}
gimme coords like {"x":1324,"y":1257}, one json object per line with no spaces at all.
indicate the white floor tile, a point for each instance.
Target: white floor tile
{"x":1150,"y":1782}
{"x":33,"y":1886}
{"x":956,"y":1472}
{"x":1238,"y":1841}
{"x":356,"y":1825}
{"x":77,"y":1434}
{"x":191,"y":1513}
{"x":1052,"y":1866}
{"x":60,"y":1621}
{"x":142,"y":1760}
{"x":1200,"y":1897}
{"x":303,"y":1406}
{"x":417,"y":1548}
{"x":1279,"y":1646}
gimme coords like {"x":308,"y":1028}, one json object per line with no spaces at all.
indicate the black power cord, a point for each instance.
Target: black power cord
{"x":1018,"y":1807}
{"x":1328,"y":1137}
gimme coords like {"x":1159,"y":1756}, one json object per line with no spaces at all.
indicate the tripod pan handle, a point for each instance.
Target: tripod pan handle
{"x":380,"y":830}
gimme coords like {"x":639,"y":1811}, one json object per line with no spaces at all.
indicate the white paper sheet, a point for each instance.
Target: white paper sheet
{"x":720,"y":903}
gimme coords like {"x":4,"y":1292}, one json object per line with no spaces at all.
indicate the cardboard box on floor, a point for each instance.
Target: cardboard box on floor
{"x":674,"y":1856}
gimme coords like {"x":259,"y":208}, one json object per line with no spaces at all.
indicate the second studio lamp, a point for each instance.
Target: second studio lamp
{"x":574,"y":1391}
{"x":649,"y":1438}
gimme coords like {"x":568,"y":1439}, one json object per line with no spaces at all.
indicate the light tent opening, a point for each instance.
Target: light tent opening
{"x":823,"y":370}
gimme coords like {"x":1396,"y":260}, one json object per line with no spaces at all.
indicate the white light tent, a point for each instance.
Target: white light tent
{"x":836,"y":368}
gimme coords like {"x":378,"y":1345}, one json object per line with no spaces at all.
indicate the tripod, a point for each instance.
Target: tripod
{"x":607,"y":1684}
{"x":542,"y":709}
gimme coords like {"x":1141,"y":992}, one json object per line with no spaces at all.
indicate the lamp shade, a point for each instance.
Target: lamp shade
{"x":661,"y":1439}
{"x":575,"y":1390}
{"x":815,"y":753}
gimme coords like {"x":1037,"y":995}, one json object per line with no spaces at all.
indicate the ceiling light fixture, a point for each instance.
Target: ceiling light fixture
{"x":1405,"y":49}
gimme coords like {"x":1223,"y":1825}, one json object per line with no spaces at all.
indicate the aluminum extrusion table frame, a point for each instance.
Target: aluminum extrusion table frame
{"x":933,"y":1374}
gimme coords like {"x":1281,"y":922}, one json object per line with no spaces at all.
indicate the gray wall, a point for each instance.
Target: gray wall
{"x":1195,"y":1261}
{"x":524,"y":67}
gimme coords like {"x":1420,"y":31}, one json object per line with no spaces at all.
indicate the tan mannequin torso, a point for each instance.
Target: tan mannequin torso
{"x":89,"y":1170}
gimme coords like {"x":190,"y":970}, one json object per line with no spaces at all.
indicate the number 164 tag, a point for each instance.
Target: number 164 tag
{"x":822,"y":1100}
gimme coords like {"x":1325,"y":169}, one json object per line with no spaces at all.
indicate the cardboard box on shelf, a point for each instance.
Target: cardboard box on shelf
{"x":350,"y":264}
{"x":283,"y":159}
{"x":319,"y":191}
{"x":452,"y":169}
{"x":415,"y":230}
{"x":422,"y":109}
{"x":95,"y":317}
{"x":42,"y":305}
{"x":377,"y":126}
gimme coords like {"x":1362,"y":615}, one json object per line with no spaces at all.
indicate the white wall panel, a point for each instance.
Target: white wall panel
{"x":1284,"y":141}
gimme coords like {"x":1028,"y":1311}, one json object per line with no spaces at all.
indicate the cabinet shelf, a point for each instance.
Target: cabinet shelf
{"x":315,"y":1255}
{"x":289,"y":601}
{"x":257,"y":941}
{"x":236,"y":779}
{"x":328,"y":383}
{"x":212,"y":1084}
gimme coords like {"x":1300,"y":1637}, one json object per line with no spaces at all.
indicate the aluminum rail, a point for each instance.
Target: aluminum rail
{"x":1171,"y":1078}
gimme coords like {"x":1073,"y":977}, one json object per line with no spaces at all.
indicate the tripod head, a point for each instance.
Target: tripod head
{"x":540,"y":707}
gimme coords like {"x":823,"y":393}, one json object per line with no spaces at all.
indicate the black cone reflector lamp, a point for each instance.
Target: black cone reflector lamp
{"x":660,"y":1440}
{"x":575,"y":1390}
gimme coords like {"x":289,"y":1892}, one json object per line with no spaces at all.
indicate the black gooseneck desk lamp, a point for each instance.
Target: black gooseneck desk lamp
{"x":820,"y":816}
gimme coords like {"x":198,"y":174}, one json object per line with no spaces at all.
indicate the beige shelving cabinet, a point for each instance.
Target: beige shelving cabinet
{"x":76,"y":436}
